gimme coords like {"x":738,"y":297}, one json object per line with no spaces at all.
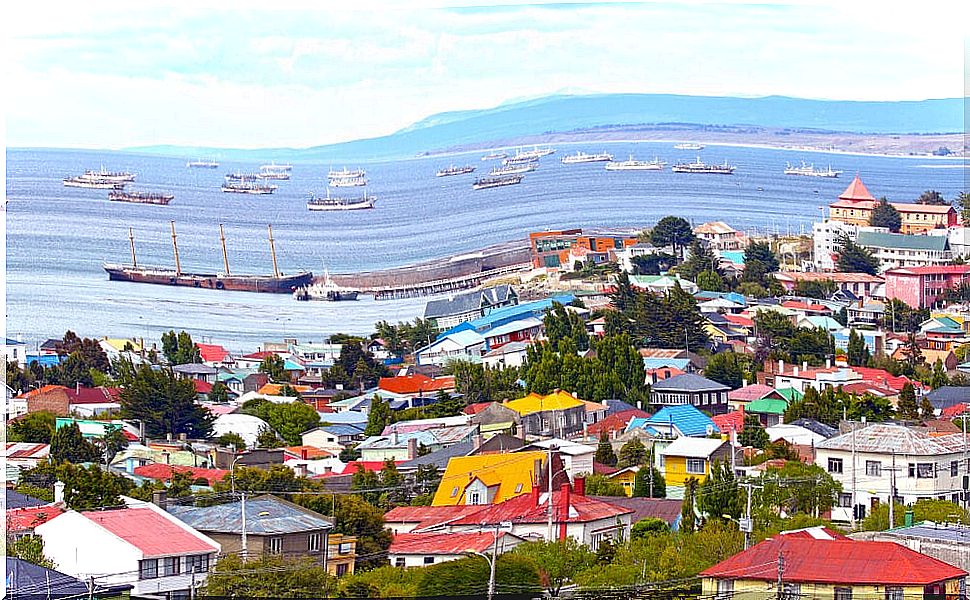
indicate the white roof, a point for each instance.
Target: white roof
{"x":793,"y":434}
{"x":692,"y":447}
{"x":565,"y":446}
{"x":275,"y":399}
{"x":247,"y":426}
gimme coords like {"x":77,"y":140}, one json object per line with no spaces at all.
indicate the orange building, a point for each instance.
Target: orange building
{"x":552,"y":249}
{"x":855,"y":206}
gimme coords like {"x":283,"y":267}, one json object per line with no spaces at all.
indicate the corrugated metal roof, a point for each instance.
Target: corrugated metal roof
{"x":885,"y":438}
{"x":265,"y":515}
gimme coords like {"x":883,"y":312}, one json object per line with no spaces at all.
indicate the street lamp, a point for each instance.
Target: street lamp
{"x":232,"y":470}
{"x":505,"y":526}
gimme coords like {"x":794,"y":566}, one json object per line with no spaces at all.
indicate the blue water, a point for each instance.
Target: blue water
{"x":57,"y":237}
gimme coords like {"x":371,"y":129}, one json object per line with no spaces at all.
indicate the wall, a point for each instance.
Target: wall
{"x":675,"y":471}
{"x":751,"y":589}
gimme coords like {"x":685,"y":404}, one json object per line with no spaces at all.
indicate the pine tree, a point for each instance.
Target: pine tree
{"x":642,"y":484}
{"x":906,"y":407}
{"x":857,"y":352}
{"x":687,"y":513}
{"x":604,"y":452}
{"x":378,"y":417}
{"x":885,"y":215}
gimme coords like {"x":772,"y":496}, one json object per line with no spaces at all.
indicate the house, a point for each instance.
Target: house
{"x":114,"y":348}
{"x":944,"y":541}
{"x":247,"y":426}
{"x":25,"y":455}
{"x":920,"y":287}
{"x":22,"y":520}
{"x":614,"y":424}
{"x":925,"y":466}
{"x":416,"y":385}
{"x":511,"y":354}
{"x":860,"y":285}
{"x":27,"y":581}
{"x":577,"y":458}
{"x":855,"y":205}
{"x":770,"y":411}
{"x":692,"y":389}
{"x":273,"y":526}
{"x":749,"y":393}
{"x":15,"y":351}
{"x":899,"y":250}
{"x":944,"y":397}
{"x":524,"y":330}
{"x":718,"y":235}
{"x":451,"y":311}
{"x":334,"y":436}
{"x":423,"y":549}
{"x":688,"y":457}
{"x":488,"y":478}
{"x":931,"y":356}
{"x":559,"y":414}
{"x":662,"y":284}
{"x":830,"y":568}
{"x":198,"y":371}
{"x":796,"y":435}
{"x":214,"y":355}
{"x":682,"y":420}
{"x":140,"y":545}
{"x":457,"y":345}
{"x":666,"y":510}
{"x":164,"y":472}
{"x":341,"y":554}
{"x":626,"y":257}
{"x":875,"y":341}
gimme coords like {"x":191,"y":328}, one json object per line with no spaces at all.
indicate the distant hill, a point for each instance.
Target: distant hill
{"x":554,"y":114}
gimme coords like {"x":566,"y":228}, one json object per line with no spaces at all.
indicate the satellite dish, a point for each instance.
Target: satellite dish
{"x":710,"y":429}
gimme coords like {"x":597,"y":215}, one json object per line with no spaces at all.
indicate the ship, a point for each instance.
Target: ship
{"x":700,"y":167}
{"x":491,"y":182}
{"x":238,"y":176}
{"x":345,"y":174}
{"x":636,"y":165}
{"x":277,"y":283}
{"x":495,"y":156}
{"x":325,"y":290}
{"x":688,"y":146}
{"x":275,"y":167}
{"x":202,"y":163}
{"x":527,"y":156}
{"x":810,"y":171}
{"x":335,"y":203}
{"x":348,"y":182}
{"x":274,"y":171}
{"x":116,"y":176}
{"x":514,"y":169}
{"x":582,"y":157}
{"x":453,"y":170}
{"x":140,"y":197}
{"x":246,"y":187}
{"x":95,"y":184}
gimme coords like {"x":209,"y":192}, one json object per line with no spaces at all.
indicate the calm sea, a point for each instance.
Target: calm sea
{"x":58,"y":237}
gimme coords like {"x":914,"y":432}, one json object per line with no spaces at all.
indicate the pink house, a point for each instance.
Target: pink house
{"x":919,"y":287}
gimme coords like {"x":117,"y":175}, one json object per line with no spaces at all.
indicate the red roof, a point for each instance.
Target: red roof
{"x":42,"y":390}
{"x":750,"y":393}
{"x":732,"y":421}
{"x":414,"y":384}
{"x":26,"y":450}
{"x":931,"y":270}
{"x":368,"y":465}
{"x":913,"y":207}
{"x":856,"y":191}
{"x":616,"y":422}
{"x":442,"y":543}
{"x":835,"y":562}
{"x":428,"y":516}
{"x":865,"y":387}
{"x":98,"y":395}
{"x":601,"y":469}
{"x":886,"y":378}
{"x":526,"y":508}
{"x":957,"y":409}
{"x":305,"y":453}
{"x":152,"y":533}
{"x":163,"y":472}
{"x":799,"y":305}
{"x":21,"y":519}
{"x":739,"y":320}
{"x":202,"y":387}
{"x":259,"y":355}
{"x":212,"y":353}
{"x":474,"y":409}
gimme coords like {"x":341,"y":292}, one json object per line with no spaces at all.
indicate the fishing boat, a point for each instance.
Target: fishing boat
{"x":325,"y":290}
{"x":494,"y":156}
{"x":352,"y":182}
{"x":202,"y":163}
{"x":636,"y":165}
{"x":247,"y":187}
{"x":701,"y":167}
{"x":453,"y":170}
{"x":274,"y":171}
{"x":491,"y":182}
{"x":689,"y":146}
{"x":275,"y":167}
{"x":336,"y":203}
{"x":514,"y":169}
{"x":96,"y":184}
{"x":582,"y":157}
{"x":345,"y":173}
{"x":140,"y":197}
{"x":807,"y":170}
{"x":237,"y":176}
{"x":104,"y":175}
{"x":276,"y":282}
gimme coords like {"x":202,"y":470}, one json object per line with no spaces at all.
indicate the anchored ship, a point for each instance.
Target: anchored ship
{"x":636,"y":165}
{"x":277,"y":283}
{"x":494,"y":156}
{"x":202,"y":163}
{"x":238,"y":176}
{"x":83,"y":182}
{"x":490,"y":182}
{"x":348,"y":182}
{"x":688,"y":146}
{"x":582,"y":157}
{"x":453,"y":170}
{"x":140,"y":197}
{"x":247,"y":187}
{"x":810,"y":171}
{"x":514,"y":169}
{"x":116,"y":176}
{"x":327,"y":290}
{"x":336,"y":203}
{"x":345,"y":174}
{"x":274,"y":171}
{"x":700,"y":167}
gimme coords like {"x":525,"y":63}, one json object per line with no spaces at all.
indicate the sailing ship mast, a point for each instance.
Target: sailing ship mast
{"x":225,"y":255}
{"x":272,"y":250}
{"x":131,"y":240}
{"x":175,"y":247}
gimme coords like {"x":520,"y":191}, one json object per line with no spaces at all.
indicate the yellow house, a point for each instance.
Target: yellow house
{"x":488,"y":478}
{"x":559,"y":414}
{"x":627,"y":478}
{"x":824,"y":565}
{"x":688,"y":457}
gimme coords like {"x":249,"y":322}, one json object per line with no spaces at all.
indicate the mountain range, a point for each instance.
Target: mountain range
{"x":504,"y":124}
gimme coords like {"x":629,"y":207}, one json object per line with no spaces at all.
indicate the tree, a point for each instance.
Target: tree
{"x":232,"y":440}
{"x":906,"y":407}
{"x":219,"y":394}
{"x":91,"y":488}
{"x":853,"y":258}
{"x":601,"y":485}
{"x":857,"y":352}
{"x":648,"y":527}
{"x":939,"y":378}
{"x":270,"y":576}
{"x":113,"y":442}
{"x":719,"y":493}
{"x":816,"y":288}
{"x":931,"y":197}
{"x":352,"y":515}
{"x":557,"y":561}
{"x":759,"y":263}
{"x":964,"y":201}
{"x":378,"y":417}
{"x":275,"y":368}
{"x":36,"y":427}
{"x":632,"y":453}
{"x":688,"y":514}
{"x":561,"y":323}
{"x":700,"y":259}
{"x":725,"y":368}
{"x":31,"y":549}
{"x":937,"y":511}
{"x":672,"y":231}
{"x":68,"y":445}
{"x":288,"y":419}
{"x":267,"y":438}
{"x":469,"y":576}
{"x":166,"y":404}
{"x":710,"y":281}
{"x":926,"y":408}
{"x":885,"y":215}
{"x":649,"y":483}
{"x":179,"y":348}
{"x":795,"y":488}
{"x":604,"y":451}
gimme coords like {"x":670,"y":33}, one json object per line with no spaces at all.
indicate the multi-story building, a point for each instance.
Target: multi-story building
{"x":855,"y":205}
{"x":895,"y":250}
{"x":551,"y":249}
{"x":860,"y":285}
{"x":454,"y":310}
{"x":881,"y":460}
{"x":693,"y":389}
{"x":718,"y":235}
{"x":920,"y":287}
{"x":559,"y":414}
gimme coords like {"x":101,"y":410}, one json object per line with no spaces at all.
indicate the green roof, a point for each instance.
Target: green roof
{"x":791,"y":394}
{"x":768,"y":406}
{"x":899,"y":240}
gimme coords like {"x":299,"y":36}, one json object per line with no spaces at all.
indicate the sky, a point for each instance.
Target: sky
{"x":293,"y":74}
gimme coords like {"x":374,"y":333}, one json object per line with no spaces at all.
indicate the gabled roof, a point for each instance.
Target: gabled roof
{"x":212,"y":352}
{"x":163,"y":472}
{"x":97,"y":395}
{"x":878,"y":239}
{"x":837,"y":561}
{"x":22,"y":519}
{"x":689,"y":382}
{"x":512,"y":473}
{"x":856,"y":191}
{"x":616,"y":421}
{"x":26,"y":580}
{"x":467,"y":302}
{"x":454,"y":543}
{"x":529,"y":509}
{"x":18,"y":500}
{"x":755,"y":391}
{"x":732,"y":421}
{"x":647,"y":508}
{"x":685,"y":417}
{"x":768,"y":406}
{"x":415,"y":384}
{"x":26,"y":450}
{"x":151,"y":532}
{"x":428,"y":516}
{"x":693,"y":447}
{"x":265,"y":515}
{"x":440,"y":458}
{"x":887,"y":438}
{"x":533,"y":403}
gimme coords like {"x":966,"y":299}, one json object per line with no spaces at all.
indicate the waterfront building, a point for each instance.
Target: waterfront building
{"x":855,"y":205}
{"x":718,"y":235}
{"x":454,"y":310}
{"x":920,"y":287}
{"x":895,"y":250}
{"x":551,"y":249}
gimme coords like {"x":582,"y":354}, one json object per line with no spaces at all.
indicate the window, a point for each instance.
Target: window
{"x":518,"y":488}
{"x":791,"y":591}
{"x":925,"y":470}
{"x":845,"y":500}
{"x":170,"y":565}
{"x":474,"y":498}
{"x":148,"y":568}
{"x":274,"y":545}
{"x":695,"y":465}
{"x":344,"y":548}
{"x":429,"y":560}
{"x":197,"y":564}
{"x":454,"y":492}
{"x":399,"y":561}
{"x":725,"y":589}
{"x":835,"y":465}
{"x":343,"y":567}
{"x":313,"y":542}
{"x":894,"y":593}
{"x":954,"y":468}
{"x":873,"y":468}
{"x":843,"y":593}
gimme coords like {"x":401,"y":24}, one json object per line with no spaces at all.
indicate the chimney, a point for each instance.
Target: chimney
{"x":564,"y":511}
{"x":412,"y":448}
{"x":59,"y":492}
{"x":781,"y":366}
{"x":535,"y":495}
{"x":328,"y":469}
{"x":166,"y":456}
{"x":160,"y":498}
{"x":828,"y":363}
{"x":580,"y":486}
{"x":303,"y":453}
{"x":394,"y":437}
{"x":478,"y":440}
{"x":804,"y":365}
{"x":300,"y":470}
{"x":795,"y":372}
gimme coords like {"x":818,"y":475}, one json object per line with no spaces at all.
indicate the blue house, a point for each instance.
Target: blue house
{"x":683,"y":420}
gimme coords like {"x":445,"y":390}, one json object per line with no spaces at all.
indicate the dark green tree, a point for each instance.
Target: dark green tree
{"x":963,"y":200}
{"x":931,"y":197}
{"x":725,"y":368}
{"x":719,"y":493}
{"x":232,"y":440}
{"x":267,"y":438}
{"x":288,"y":419}
{"x":885,"y":215}
{"x":179,"y":349}
{"x":68,"y":445}
{"x":710,"y":281}
{"x":857,"y":352}
{"x":165,"y":403}
{"x":688,"y":516}
{"x":561,"y":323}
{"x":759,"y":263}
{"x":354,"y":516}
{"x":672,"y":231}
{"x":601,"y":485}
{"x":378,"y":417}
{"x":700,"y":259}
{"x":939,"y":378}
{"x":604,"y":451}
{"x":469,"y":576}
{"x":753,"y":434}
{"x":36,"y":427}
{"x":275,"y":368}
{"x":906,"y":407}
{"x":219,"y":394}
{"x":270,"y":576}
{"x":645,"y":487}
{"x":632,"y":453}
{"x":558,"y":561}
{"x":853,"y":258}
{"x":31,"y":549}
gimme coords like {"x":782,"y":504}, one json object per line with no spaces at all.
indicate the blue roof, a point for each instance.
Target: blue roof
{"x":11,"y":342}
{"x":340,"y":429}
{"x":289,"y":365}
{"x":735,"y":256}
{"x":344,"y":417}
{"x":45,"y":360}
{"x":512,"y":313}
{"x":686,"y":418}
{"x":659,"y":363}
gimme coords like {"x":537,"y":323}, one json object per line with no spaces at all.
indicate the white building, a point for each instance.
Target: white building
{"x":421,"y":550}
{"x":921,"y":466}
{"x":512,"y":354}
{"x":897,"y":250}
{"x":15,"y":351}
{"x":459,"y":345}
{"x":577,"y":459}
{"x":141,"y":545}
{"x":825,"y":236}
{"x":624,"y":257}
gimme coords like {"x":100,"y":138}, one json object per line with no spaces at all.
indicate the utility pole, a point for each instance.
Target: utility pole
{"x":892,"y":492}
{"x":781,"y":572}
{"x":491,"y":564}
{"x":853,"y":476}
{"x":245,"y":541}
{"x":746,"y":525}
{"x":549,"y":537}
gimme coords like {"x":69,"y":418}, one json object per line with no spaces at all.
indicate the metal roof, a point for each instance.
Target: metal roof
{"x":878,"y":239}
{"x":886,"y":438}
{"x":265,"y":515}
{"x":689,"y":382}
